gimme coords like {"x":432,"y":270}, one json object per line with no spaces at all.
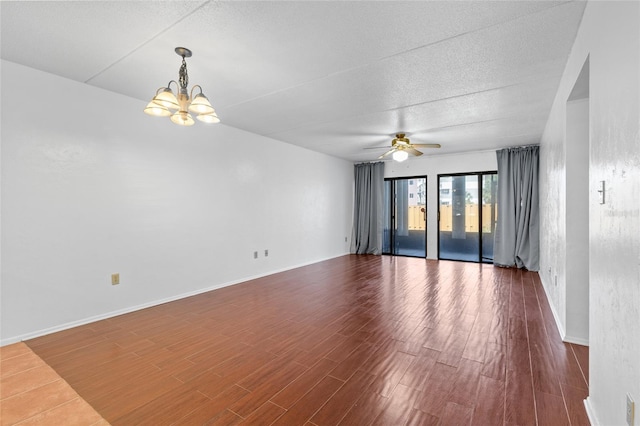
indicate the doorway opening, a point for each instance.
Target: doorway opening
{"x":577,"y":211}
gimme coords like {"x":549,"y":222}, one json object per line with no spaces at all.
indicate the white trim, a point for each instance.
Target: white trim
{"x":576,"y":340}
{"x":111,"y":314}
{"x":563,"y":334}
{"x":591,"y":414}
{"x":559,"y":325}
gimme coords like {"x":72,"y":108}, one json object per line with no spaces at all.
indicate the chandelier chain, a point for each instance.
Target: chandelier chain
{"x":183,"y":78}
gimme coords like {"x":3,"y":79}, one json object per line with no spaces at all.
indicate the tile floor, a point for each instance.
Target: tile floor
{"x":32,"y":393}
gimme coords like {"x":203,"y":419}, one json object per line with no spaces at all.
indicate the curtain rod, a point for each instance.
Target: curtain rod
{"x":521,"y":146}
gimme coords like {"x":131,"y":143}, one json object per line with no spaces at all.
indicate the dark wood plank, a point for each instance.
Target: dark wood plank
{"x":201,"y":414}
{"x":436,"y":389}
{"x":550,"y":410}
{"x":397,"y":411}
{"x":265,"y":415}
{"x":574,"y":400}
{"x":451,"y":353}
{"x":261,"y":393}
{"x":307,"y":406}
{"x":582,"y":356}
{"x":270,"y":371}
{"x":543,"y":362}
{"x":389,"y":372}
{"x":419,"y":370}
{"x":519,"y":400}
{"x":226,"y":418}
{"x":172,"y":406}
{"x":490,"y":402}
{"x":353,"y":362}
{"x":495,"y":364}
{"x":456,"y":415}
{"x":420,"y":418}
{"x":366,"y":410}
{"x":465,"y":386}
{"x":306,"y":381}
{"x":342,"y":401}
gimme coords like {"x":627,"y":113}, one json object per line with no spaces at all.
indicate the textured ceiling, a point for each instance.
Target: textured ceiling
{"x":334,"y":77}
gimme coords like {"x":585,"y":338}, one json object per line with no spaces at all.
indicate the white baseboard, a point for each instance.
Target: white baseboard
{"x":591,"y":413}
{"x":563,"y":334}
{"x":556,"y":318}
{"x":576,"y":340}
{"x":68,"y":325}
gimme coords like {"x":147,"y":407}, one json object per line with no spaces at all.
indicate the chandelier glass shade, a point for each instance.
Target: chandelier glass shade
{"x":166,"y":104}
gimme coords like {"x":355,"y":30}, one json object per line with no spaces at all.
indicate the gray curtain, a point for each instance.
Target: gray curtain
{"x":517,"y":238}
{"x":368,"y":208}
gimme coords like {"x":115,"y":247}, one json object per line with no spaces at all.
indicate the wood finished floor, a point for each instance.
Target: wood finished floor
{"x":355,"y":340}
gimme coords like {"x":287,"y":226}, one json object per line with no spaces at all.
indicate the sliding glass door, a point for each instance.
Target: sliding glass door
{"x":467,"y":214}
{"x":405,"y":219}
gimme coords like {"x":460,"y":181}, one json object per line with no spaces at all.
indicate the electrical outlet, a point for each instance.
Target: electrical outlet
{"x":266,"y":253}
{"x":255,"y":254}
{"x":115,"y":279}
{"x":630,"y":410}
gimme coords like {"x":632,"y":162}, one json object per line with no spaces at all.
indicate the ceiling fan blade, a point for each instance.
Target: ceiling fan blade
{"x":378,"y":147}
{"x":413,"y":151}
{"x":427,"y":145}
{"x":392,"y":150}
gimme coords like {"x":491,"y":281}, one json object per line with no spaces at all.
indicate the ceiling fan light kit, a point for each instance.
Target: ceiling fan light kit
{"x":165,"y":102}
{"x":400,"y":155}
{"x":401,"y":147}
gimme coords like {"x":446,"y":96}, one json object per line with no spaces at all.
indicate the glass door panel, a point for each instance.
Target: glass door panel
{"x":459,"y":218}
{"x":467,"y":214}
{"x":405,"y":220}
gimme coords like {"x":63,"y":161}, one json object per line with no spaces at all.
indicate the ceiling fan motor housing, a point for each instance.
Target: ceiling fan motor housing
{"x":400,"y":140}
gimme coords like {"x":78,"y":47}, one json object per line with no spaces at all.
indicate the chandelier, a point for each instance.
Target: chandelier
{"x":165,"y":102}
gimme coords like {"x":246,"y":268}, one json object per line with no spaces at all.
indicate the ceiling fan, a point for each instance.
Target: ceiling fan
{"x":401,"y":147}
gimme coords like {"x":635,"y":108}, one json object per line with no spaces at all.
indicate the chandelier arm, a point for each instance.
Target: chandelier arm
{"x":174,"y":82}
{"x":169,"y":86}
{"x":199,"y":87}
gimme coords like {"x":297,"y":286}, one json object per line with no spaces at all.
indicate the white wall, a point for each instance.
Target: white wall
{"x":92,"y":186}
{"x":609,"y":36}
{"x":431,"y":166}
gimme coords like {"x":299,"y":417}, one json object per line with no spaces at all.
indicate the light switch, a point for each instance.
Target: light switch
{"x":601,"y":191}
